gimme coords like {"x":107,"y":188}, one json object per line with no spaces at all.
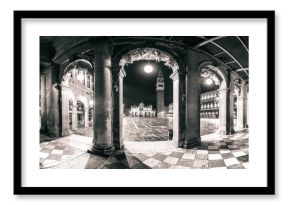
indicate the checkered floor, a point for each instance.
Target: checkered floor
{"x":227,"y":152}
{"x":54,"y":152}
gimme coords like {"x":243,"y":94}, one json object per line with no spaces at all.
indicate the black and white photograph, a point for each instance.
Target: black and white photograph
{"x":144,"y":102}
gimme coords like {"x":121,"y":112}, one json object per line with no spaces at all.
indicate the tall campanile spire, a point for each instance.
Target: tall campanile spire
{"x":160,"y":95}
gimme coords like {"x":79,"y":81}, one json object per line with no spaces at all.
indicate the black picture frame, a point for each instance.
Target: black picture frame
{"x":19,"y":189}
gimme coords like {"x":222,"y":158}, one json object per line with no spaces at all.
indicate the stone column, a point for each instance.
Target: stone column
{"x":226,"y":106}
{"x":64,"y":110}
{"x":103,"y":140}
{"x":192,"y":136}
{"x":87,"y":115}
{"x":74,"y":116}
{"x":43,"y":108}
{"x":178,"y":107}
{"x":118,"y":75}
{"x":242,"y":107}
{"x":53,"y":102}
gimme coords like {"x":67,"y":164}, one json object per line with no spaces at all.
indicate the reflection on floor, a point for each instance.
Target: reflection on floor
{"x":153,"y":129}
{"x":216,"y":151}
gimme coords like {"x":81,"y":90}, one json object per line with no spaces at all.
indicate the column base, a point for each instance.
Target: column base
{"x":227,"y":132}
{"x":192,"y":143}
{"x":102,"y":150}
{"x":65,"y":133}
{"x":53,"y":134}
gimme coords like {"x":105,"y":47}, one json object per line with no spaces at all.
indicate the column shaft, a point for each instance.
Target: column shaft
{"x":192,"y":137}
{"x":103,"y":141}
{"x":43,"y":108}
{"x":53,"y":103}
{"x":64,"y":111}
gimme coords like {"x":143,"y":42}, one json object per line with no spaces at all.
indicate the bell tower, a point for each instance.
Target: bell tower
{"x":160,"y":95}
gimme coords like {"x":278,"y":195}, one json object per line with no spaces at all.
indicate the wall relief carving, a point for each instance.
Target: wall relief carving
{"x":149,"y":54}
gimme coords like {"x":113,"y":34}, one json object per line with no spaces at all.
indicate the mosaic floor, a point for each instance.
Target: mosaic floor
{"x":216,"y":151}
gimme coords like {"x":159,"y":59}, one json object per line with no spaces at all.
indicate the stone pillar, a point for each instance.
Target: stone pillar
{"x":178,"y":108}
{"x":192,"y":115}
{"x":53,"y":102}
{"x":87,"y":115}
{"x":43,"y":108}
{"x":64,"y":110}
{"x":242,"y":107}
{"x":103,"y":140}
{"x":74,"y":116}
{"x":226,"y":107}
{"x":247,"y":105}
{"x":118,"y":75}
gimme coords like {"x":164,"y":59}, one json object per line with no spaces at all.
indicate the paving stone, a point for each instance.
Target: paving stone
{"x":201,"y":157}
{"x":200,"y":164}
{"x":239,"y":154}
{"x":213,"y":152}
{"x":140,"y":166}
{"x":185,"y":162}
{"x":56,"y":151}
{"x":118,"y":165}
{"x":213,"y":147}
{"x":216,"y":163}
{"x":163,"y":165}
{"x":176,"y":154}
{"x":231,"y":161}
{"x":181,"y":167}
{"x":159,"y":156}
{"x":243,"y":159}
{"x":188,"y":156}
{"x":142,"y":157}
{"x":215,"y":157}
{"x":54,"y":157}
{"x":227,"y":155}
{"x":171,"y":160}
{"x":236,"y":166}
{"x":151,"y":162}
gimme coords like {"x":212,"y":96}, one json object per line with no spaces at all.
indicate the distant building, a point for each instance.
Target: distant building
{"x":142,"y":111}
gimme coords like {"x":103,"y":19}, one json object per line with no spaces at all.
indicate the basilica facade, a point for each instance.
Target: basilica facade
{"x":142,"y":111}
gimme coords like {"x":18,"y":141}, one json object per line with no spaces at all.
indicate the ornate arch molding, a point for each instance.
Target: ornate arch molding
{"x":76,"y":61}
{"x":215,"y":72}
{"x":149,"y":54}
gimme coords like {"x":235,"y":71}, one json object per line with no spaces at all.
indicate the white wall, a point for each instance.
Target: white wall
{"x":282,"y":75}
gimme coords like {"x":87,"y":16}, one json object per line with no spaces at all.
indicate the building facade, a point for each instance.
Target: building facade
{"x":142,"y":111}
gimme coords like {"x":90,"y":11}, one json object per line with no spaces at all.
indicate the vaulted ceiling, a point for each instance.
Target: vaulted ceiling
{"x":230,"y":51}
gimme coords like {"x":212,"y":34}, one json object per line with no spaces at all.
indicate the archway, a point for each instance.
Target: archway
{"x":147,"y":54}
{"x":219,"y":102}
{"x":77,"y":80}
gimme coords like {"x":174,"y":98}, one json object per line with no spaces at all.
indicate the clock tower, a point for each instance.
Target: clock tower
{"x":160,"y":95}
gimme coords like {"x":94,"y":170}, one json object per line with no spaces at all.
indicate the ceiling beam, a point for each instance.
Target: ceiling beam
{"x":230,"y":62}
{"x":243,"y":43}
{"x":219,"y":53}
{"x":242,"y":69}
{"x":211,"y":40}
{"x":227,"y":52}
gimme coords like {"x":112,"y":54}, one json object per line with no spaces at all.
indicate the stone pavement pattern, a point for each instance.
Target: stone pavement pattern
{"x":216,"y":151}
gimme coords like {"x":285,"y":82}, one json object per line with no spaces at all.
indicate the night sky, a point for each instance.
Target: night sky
{"x":141,"y":87}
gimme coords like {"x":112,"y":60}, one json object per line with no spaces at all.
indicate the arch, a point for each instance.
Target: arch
{"x":148,"y":52}
{"x":217,"y":73}
{"x":176,"y":56}
{"x":78,"y":61}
